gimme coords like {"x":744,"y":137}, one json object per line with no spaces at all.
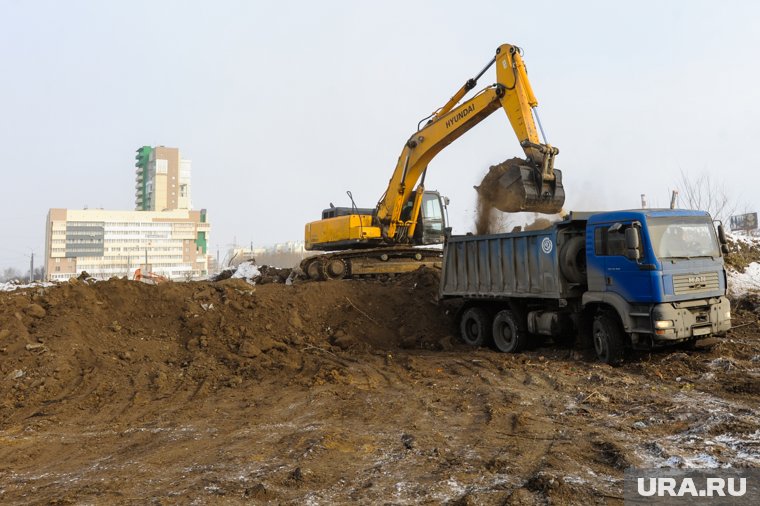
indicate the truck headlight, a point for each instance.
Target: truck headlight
{"x":663,"y":324}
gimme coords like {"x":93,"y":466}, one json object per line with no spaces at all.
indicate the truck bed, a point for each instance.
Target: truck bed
{"x":522,"y":264}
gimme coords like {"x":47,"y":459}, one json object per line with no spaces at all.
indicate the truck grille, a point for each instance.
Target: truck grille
{"x":694,"y":283}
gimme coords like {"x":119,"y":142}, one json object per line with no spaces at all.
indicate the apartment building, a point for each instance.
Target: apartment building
{"x":162,"y":179}
{"x":115,"y":243}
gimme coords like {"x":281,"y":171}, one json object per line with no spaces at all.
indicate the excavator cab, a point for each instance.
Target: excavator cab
{"x":430,"y":219}
{"x":433,"y":222}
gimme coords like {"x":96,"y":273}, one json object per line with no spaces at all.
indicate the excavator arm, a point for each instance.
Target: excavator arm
{"x":534,"y":187}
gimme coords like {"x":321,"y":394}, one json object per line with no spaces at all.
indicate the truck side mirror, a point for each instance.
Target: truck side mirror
{"x":724,"y":249}
{"x":632,"y":243}
{"x":722,"y":235}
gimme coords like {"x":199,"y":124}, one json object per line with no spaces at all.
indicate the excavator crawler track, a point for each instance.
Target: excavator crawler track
{"x":370,"y":263}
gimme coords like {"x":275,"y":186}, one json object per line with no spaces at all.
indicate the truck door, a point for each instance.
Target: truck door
{"x":622,"y":275}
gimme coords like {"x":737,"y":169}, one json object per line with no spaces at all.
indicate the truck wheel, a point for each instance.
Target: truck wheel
{"x":475,"y":326}
{"x":507,"y":337}
{"x":609,"y":339}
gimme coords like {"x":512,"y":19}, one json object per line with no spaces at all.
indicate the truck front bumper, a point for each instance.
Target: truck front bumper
{"x":678,"y":321}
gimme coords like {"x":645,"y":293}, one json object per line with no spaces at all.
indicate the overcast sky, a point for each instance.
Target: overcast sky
{"x":283,"y":106}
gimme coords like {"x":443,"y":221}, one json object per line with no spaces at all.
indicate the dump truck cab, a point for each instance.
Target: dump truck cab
{"x":661,"y":270}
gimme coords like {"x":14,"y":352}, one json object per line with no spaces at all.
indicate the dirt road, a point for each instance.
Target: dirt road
{"x":343,"y":392}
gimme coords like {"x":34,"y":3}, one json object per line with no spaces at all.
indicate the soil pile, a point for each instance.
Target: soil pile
{"x":342,"y":392}
{"x":93,"y":338}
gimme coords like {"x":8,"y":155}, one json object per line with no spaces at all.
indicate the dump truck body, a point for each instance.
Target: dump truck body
{"x":503,"y":265}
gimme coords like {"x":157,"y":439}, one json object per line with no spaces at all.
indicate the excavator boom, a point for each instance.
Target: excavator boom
{"x":532,"y":187}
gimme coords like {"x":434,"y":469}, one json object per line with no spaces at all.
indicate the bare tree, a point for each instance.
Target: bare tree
{"x":706,"y":193}
{"x":9,"y":274}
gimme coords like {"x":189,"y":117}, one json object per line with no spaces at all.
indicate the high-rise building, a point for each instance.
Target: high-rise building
{"x":115,"y":243}
{"x":162,"y":179}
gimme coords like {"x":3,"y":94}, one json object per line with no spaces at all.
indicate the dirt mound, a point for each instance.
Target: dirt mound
{"x":181,"y":336}
{"x":337,"y":392}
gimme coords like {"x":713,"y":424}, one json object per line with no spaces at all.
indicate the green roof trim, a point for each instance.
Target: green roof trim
{"x":141,"y":161}
{"x":200,"y":241}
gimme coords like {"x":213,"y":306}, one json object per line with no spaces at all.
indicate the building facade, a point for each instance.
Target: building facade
{"x":115,"y":243}
{"x":162,"y":179}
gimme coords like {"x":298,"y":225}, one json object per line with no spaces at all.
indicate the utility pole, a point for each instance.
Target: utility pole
{"x":673,"y":199}
{"x":31,"y":269}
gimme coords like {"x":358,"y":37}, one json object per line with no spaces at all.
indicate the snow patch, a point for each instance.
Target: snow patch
{"x":740,"y":283}
{"x":10,"y":286}
{"x":246,"y":270}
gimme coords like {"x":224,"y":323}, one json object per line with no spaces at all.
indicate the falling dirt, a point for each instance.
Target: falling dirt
{"x":490,"y":198}
{"x":344,"y":392}
{"x":494,"y":203}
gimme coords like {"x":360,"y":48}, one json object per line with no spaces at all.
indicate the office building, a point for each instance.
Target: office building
{"x":115,"y":243}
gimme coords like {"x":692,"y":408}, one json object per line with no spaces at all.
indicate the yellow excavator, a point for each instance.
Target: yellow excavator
{"x":382,"y":240}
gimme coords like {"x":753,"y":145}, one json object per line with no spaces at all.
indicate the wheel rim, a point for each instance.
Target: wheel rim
{"x":600,"y":342}
{"x":505,"y":334}
{"x":472,"y":330}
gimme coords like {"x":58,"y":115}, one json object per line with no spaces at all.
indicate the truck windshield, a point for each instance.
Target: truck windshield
{"x":683,"y":237}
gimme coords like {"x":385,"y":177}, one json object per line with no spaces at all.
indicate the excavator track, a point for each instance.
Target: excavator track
{"x":370,"y":262}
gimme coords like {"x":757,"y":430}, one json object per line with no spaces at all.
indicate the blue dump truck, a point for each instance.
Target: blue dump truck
{"x":636,"y":279}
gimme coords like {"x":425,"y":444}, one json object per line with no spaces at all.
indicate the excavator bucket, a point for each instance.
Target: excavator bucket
{"x":514,"y":188}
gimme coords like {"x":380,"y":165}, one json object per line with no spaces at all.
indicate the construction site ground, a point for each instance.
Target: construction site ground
{"x":354,"y":391}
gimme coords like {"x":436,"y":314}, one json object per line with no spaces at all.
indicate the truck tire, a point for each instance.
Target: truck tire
{"x":507,"y":336}
{"x":609,"y":338}
{"x":572,"y":259}
{"x":475,"y":326}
